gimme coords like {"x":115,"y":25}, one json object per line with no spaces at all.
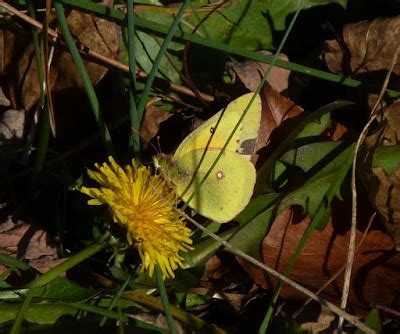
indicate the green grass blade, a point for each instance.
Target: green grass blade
{"x":264,"y":325}
{"x":116,"y":298}
{"x":44,"y":133}
{"x":12,"y":262}
{"x":134,"y":140}
{"x":157,"y":61}
{"x":38,"y":53}
{"x":114,"y":315}
{"x":164,"y":299}
{"x":94,"y":103}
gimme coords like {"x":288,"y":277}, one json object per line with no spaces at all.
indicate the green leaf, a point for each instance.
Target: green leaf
{"x":315,"y":128}
{"x":249,"y":24}
{"x":324,"y":172}
{"x":62,"y":289}
{"x":387,"y":157}
{"x":372,"y":320}
{"x":147,"y":47}
{"x":255,"y":222}
{"x":190,"y":301}
{"x":253,"y":227}
{"x":204,"y":250}
{"x":43,"y":313}
{"x":310,"y":156}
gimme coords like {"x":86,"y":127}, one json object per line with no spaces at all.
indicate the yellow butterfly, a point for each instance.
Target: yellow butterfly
{"x":228,"y":188}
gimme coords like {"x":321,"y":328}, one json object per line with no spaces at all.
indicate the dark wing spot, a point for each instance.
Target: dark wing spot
{"x":247,"y":147}
{"x":212,"y":129}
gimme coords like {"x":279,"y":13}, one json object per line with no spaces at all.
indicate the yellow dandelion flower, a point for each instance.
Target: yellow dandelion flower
{"x":143,"y":203}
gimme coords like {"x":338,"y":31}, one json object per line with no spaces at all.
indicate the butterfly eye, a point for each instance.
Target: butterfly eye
{"x":212,"y":130}
{"x":220,"y":175}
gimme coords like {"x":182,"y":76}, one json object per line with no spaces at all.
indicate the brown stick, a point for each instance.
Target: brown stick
{"x":84,"y":50}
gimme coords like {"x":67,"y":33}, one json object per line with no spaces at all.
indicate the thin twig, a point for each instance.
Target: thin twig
{"x":84,"y":50}
{"x":351,"y":252}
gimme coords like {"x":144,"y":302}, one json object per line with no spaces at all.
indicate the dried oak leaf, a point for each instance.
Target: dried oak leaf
{"x":376,"y":266}
{"x":24,"y":241}
{"x":251,"y":72}
{"x":383,"y":189}
{"x":20,"y":73}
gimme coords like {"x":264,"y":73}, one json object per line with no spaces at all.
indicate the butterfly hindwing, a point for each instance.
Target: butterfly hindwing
{"x":227,"y":189}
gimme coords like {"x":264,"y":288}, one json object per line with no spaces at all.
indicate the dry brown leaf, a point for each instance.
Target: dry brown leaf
{"x":21,"y":79}
{"x":324,"y":321}
{"x":24,"y":241}
{"x":368,"y":51}
{"x":11,"y":128}
{"x":150,"y":125}
{"x":276,"y":109}
{"x":371,"y":46}
{"x":376,"y":266}
{"x":250,"y":73}
{"x":383,"y":189}
{"x":220,"y":270}
{"x":386,"y":198}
